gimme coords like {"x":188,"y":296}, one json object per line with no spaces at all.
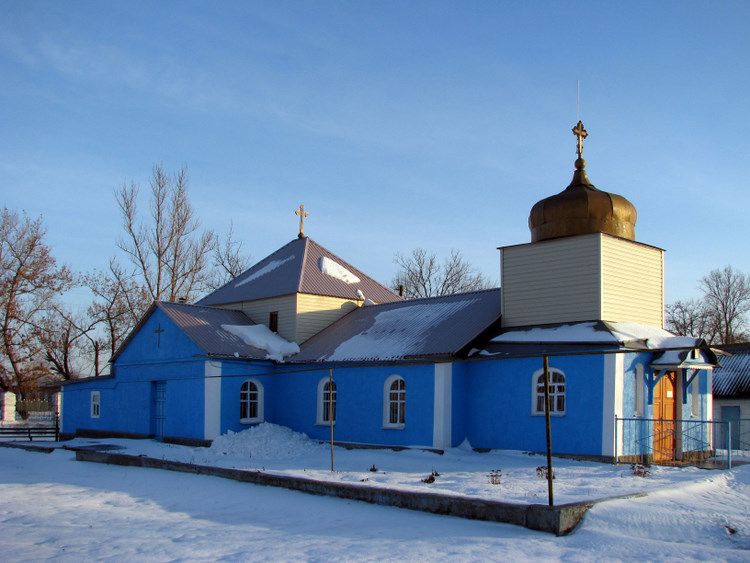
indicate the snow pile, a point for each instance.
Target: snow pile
{"x":398,"y":332}
{"x":336,"y":270}
{"x":260,"y":336}
{"x":270,"y":267}
{"x":360,"y":295}
{"x":265,"y":441}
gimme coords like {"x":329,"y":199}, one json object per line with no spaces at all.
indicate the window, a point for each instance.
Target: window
{"x":95,"y":404}
{"x":273,"y":321}
{"x":695,"y":396}
{"x":394,"y":402}
{"x":251,"y":402}
{"x":326,"y":401}
{"x":556,"y":392}
{"x":638,"y":390}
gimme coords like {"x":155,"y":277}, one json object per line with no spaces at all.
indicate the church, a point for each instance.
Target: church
{"x":306,"y":340}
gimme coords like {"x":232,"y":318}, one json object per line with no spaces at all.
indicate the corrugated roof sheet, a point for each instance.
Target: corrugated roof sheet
{"x":732,"y":379}
{"x":296,"y":267}
{"x":203,"y":326}
{"x":438,"y":326}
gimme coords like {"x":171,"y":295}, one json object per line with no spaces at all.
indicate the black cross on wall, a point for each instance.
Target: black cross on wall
{"x":158,"y":332}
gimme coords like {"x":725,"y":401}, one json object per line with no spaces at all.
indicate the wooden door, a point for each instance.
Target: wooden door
{"x":664,"y":414}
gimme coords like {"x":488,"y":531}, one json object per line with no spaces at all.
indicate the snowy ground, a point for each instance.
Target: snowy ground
{"x":278,"y":450}
{"x":54,"y":507}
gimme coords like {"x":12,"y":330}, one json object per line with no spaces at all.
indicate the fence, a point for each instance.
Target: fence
{"x":704,"y":443}
{"x":49,"y":430}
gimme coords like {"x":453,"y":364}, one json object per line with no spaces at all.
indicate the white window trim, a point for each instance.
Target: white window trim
{"x":319,"y":416}
{"x":387,"y":424}
{"x":638,"y":394}
{"x":534,"y":378}
{"x":261,"y":401}
{"x":96,"y":404}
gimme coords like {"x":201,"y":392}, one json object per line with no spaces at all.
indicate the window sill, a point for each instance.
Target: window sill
{"x":251,"y":420}
{"x":393,"y":426}
{"x":551,"y":414}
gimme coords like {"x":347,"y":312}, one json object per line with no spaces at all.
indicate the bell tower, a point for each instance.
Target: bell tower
{"x":583,"y":262}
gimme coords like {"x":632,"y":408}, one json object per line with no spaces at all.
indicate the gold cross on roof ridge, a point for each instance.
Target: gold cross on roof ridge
{"x":580,"y":132}
{"x":302,"y":214}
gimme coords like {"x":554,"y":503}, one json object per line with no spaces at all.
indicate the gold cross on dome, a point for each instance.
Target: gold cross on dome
{"x":581,"y":133}
{"x":302,"y":214}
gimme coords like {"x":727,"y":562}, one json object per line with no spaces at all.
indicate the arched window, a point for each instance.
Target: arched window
{"x":556,"y":392}
{"x":251,"y":402}
{"x":394,"y":402}
{"x":326,"y":401}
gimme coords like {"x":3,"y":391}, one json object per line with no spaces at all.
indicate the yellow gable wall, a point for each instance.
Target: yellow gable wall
{"x":301,"y":315}
{"x":259,"y":310}
{"x":316,"y":312}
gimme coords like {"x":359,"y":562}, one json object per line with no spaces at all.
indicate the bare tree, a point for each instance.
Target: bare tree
{"x":229,"y":261}
{"x":66,"y":340}
{"x":423,"y":274}
{"x":693,"y":317}
{"x":30,"y":281}
{"x":727,"y":293}
{"x":167,"y":250}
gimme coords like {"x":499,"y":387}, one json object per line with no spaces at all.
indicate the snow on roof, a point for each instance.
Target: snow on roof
{"x":260,"y":336}
{"x":301,"y":266}
{"x":269,"y":267}
{"x":594,"y":332}
{"x":406,"y":329}
{"x":336,"y":270}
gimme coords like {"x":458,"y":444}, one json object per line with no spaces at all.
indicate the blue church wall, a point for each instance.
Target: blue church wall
{"x":127,"y":400}
{"x":499,"y":405}
{"x":359,"y":405}
{"x":148,"y":345}
{"x":233,"y":375}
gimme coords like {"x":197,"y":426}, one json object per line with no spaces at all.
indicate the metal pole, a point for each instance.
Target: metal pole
{"x":614,"y":461}
{"x":550,"y":475}
{"x":330,"y":410}
{"x":729,"y":444}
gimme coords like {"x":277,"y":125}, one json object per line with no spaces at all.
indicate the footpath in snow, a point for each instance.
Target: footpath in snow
{"x":507,"y":476}
{"x":54,"y":507}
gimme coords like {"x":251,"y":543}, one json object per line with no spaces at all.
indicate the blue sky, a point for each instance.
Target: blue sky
{"x":398,"y":124}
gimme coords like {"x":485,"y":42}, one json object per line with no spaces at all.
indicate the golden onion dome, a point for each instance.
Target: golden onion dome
{"x":581,"y":208}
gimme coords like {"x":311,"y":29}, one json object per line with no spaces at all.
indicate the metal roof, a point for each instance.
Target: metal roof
{"x":732,"y":379}
{"x":297,"y":267}
{"x":203,"y":326}
{"x":405,"y":330}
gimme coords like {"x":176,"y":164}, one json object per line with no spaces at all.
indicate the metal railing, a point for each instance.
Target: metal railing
{"x":703,"y":443}
{"x":25,"y":430}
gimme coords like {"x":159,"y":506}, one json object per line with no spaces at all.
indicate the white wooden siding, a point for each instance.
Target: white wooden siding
{"x":259,"y":311}
{"x":632,"y":282}
{"x":316,"y":312}
{"x":582,"y":278}
{"x":551,"y":281}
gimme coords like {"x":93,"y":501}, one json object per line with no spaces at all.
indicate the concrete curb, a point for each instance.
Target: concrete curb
{"x":28,"y":447}
{"x":560,"y":520}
